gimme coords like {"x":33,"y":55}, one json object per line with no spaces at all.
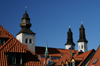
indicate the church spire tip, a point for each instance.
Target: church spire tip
{"x":69,"y":24}
{"x":25,"y":8}
{"x":81,"y":21}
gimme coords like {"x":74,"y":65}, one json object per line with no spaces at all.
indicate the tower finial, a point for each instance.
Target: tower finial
{"x":81,"y":20}
{"x":69,"y":24}
{"x":25,"y":8}
{"x":46,"y":51}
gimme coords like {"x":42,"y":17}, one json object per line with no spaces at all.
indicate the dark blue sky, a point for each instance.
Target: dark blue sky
{"x":50,"y":20}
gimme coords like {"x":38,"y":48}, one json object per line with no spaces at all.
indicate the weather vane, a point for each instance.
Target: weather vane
{"x":81,"y":20}
{"x":69,"y":24}
{"x":25,"y":8}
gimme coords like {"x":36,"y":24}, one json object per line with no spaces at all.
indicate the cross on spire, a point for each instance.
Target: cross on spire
{"x":69,"y":24}
{"x":81,"y":20}
{"x":25,"y":8}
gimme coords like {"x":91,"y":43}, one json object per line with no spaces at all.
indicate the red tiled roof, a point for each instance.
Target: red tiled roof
{"x":96,"y":56}
{"x":63,"y":59}
{"x":78,"y":58}
{"x":4,"y":33}
{"x":84,"y":56}
{"x":13,"y":45}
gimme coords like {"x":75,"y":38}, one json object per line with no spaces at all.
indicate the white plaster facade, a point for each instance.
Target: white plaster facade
{"x":82,"y":46}
{"x":69,"y":47}
{"x":22,"y":38}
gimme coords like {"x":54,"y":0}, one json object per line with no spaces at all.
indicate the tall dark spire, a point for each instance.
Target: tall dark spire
{"x":25,"y":24}
{"x":69,"y":38}
{"x":82,"y":34}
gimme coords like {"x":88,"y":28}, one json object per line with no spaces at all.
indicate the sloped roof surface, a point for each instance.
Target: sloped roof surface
{"x":53,"y":51}
{"x":96,"y":56}
{"x":84,"y":56}
{"x":13,"y":45}
{"x":4,"y":33}
{"x":77,"y":58}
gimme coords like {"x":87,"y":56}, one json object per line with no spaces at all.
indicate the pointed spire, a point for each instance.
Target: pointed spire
{"x":46,"y":51}
{"x":82,"y":34}
{"x":69,"y":38}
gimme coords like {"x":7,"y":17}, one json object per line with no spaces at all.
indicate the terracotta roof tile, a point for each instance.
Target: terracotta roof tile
{"x":63,"y":59}
{"x":84,"y":56}
{"x":96,"y":56}
{"x":4,"y":33}
{"x":13,"y":45}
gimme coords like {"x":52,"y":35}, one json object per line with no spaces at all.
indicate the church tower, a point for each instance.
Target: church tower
{"x":82,"y":42}
{"x":26,"y":36}
{"x":70,"y":44}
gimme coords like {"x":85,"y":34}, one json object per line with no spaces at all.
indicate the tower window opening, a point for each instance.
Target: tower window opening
{"x":26,"y":40}
{"x":82,"y":46}
{"x":30,"y":41}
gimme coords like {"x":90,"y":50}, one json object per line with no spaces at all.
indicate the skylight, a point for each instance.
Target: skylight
{"x":94,"y":62}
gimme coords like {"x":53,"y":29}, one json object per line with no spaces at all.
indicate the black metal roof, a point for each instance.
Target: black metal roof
{"x":25,"y":24}
{"x":69,"y":38}
{"x":82,"y":34}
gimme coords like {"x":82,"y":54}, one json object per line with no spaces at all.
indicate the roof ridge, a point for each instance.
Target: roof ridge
{"x":6,"y":31}
{"x":86,"y":56}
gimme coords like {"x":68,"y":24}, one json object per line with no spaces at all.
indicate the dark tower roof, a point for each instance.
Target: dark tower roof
{"x":25,"y":24}
{"x":82,"y":34}
{"x":69,"y":38}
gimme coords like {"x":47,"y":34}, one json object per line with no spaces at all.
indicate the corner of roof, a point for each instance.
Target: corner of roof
{"x":8,"y":33}
{"x":86,"y":55}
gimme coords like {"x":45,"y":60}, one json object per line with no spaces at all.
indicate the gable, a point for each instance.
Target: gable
{"x":4,"y":33}
{"x":95,"y":61}
{"x":13,"y":46}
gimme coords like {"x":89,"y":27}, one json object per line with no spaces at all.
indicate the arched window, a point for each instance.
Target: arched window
{"x":82,"y":46}
{"x":30,"y":41}
{"x":26,"y":40}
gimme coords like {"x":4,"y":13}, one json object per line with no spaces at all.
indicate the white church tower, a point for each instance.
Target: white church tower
{"x":26,"y":36}
{"x":82,"y":42}
{"x":69,"y":44}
